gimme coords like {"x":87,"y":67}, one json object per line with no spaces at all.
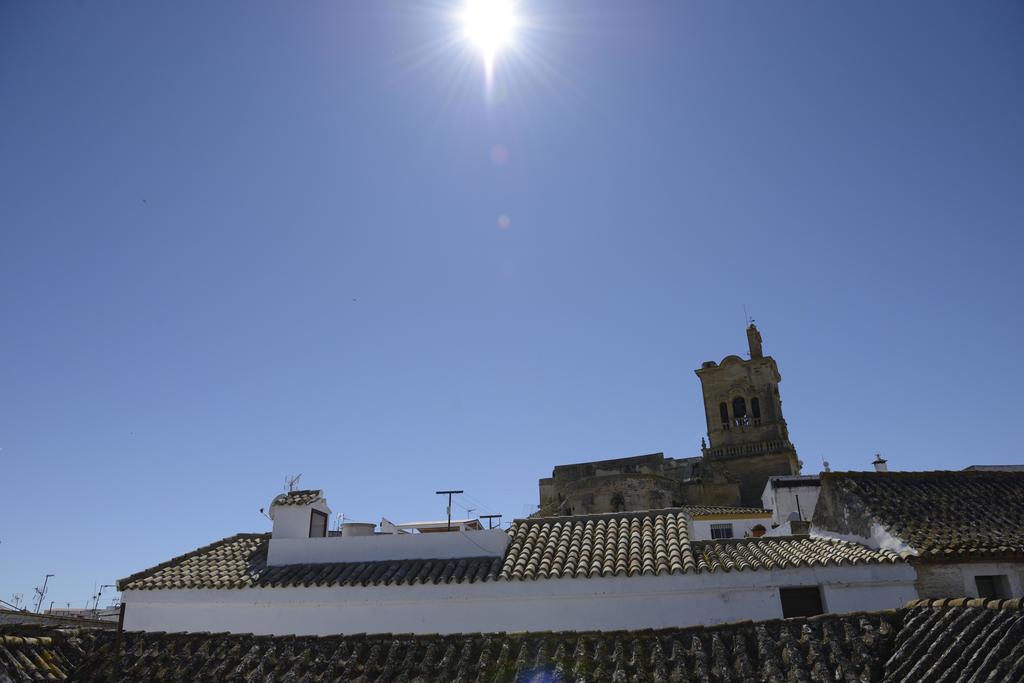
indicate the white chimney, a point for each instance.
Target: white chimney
{"x":879,"y":463}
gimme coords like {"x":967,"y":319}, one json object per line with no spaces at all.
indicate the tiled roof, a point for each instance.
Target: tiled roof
{"x":851,"y":647}
{"x":599,"y":545}
{"x":783,"y":552}
{"x":241,"y":562}
{"x":34,"y":653}
{"x":959,"y":640}
{"x":940,"y":640}
{"x":702,"y":510}
{"x":939,"y":514}
{"x":652,"y":543}
{"x":302,"y":497}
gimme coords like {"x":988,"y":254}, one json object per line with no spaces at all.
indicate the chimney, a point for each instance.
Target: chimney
{"x":754,"y":341}
{"x":879,"y":463}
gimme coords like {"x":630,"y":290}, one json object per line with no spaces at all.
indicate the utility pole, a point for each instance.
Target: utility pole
{"x":41,"y":592}
{"x":449,"y":494}
{"x":490,"y":524}
{"x":96,"y":605}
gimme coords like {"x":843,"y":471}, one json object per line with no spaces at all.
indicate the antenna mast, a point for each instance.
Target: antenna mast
{"x":290,"y":482}
{"x":490,"y":524}
{"x":449,"y":494}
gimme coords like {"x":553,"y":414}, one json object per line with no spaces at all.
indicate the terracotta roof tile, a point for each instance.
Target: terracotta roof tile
{"x":624,"y":544}
{"x":301,"y":497}
{"x":823,"y":648}
{"x":650,"y":543}
{"x":783,"y":552}
{"x":241,"y":562}
{"x":941,"y":514}
{"x":954,"y":640}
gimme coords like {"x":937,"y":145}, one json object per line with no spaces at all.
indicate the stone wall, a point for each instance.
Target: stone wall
{"x":752,"y":472}
{"x":639,"y":483}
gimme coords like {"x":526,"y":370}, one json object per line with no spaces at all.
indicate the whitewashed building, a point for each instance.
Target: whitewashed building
{"x":674,"y":567}
{"x":791,"y":498}
{"x":963,"y":532}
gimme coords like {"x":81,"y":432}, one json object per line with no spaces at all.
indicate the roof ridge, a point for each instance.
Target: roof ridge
{"x":989,"y":603}
{"x":650,"y":512}
{"x":907,"y":474}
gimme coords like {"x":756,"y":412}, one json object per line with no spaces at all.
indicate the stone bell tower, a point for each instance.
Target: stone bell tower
{"x":748,"y":434}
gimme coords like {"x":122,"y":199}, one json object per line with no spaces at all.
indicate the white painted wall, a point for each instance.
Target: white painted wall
{"x":700,"y":529}
{"x":292,"y":521}
{"x":974,"y":569}
{"x":782,"y":501}
{"x":638,"y":602}
{"x":439,"y":546}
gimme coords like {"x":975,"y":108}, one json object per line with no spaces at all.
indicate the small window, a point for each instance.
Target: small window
{"x":801,"y":602}
{"x":721,"y":530}
{"x":317,"y":524}
{"x":758,"y":531}
{"x":994,"y":586}
{"x":723,"y":411}
{"x":755,"y":410}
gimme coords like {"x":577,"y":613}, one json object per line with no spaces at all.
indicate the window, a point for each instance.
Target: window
{"x":758,"y":531}
{"x":618,"y":502}
{"x":755,"y":410}
{"x":723,"y":411}
{"x":993,"y":586}
{"x":317,"y":524}
{"x":739,"y":411}
{"x":801,"y":602}
{"x":721,"y":530}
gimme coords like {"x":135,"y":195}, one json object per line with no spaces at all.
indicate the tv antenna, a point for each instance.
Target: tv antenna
{"x":746,"y":316}
{"x":290,"y":482}
{"x":490,"y":524}
{"x":449,"y":494}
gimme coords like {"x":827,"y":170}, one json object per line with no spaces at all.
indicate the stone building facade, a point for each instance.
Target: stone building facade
{"x":749,"y":442}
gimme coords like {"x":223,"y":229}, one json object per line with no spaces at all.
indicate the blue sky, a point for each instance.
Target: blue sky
{"x":242,"y":240}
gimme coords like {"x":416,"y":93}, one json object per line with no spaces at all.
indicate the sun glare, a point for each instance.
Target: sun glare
{"x":489,"y":24}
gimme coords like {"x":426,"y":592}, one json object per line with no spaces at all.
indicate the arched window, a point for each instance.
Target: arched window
{"x":618,"y":502}
{"x":755,"y":410}
{"x":739,"y":411}
{"x":723,"y":410}
{"x":758,"y":531}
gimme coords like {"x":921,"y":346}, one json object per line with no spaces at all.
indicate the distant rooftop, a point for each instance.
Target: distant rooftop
{"x":301,"y":497}
{"x":995,"y":468}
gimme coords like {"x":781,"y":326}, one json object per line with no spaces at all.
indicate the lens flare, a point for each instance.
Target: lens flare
{"x":490,"y":25}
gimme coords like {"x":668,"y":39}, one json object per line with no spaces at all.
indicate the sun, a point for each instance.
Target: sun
{"x":490,"y":25}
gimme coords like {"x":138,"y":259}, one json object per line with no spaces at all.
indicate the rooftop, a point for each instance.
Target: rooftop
{"x":300,"y":497}
{"x":974,"y":513}
{"x":952,"y":639}
{"x":654,"y":542}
